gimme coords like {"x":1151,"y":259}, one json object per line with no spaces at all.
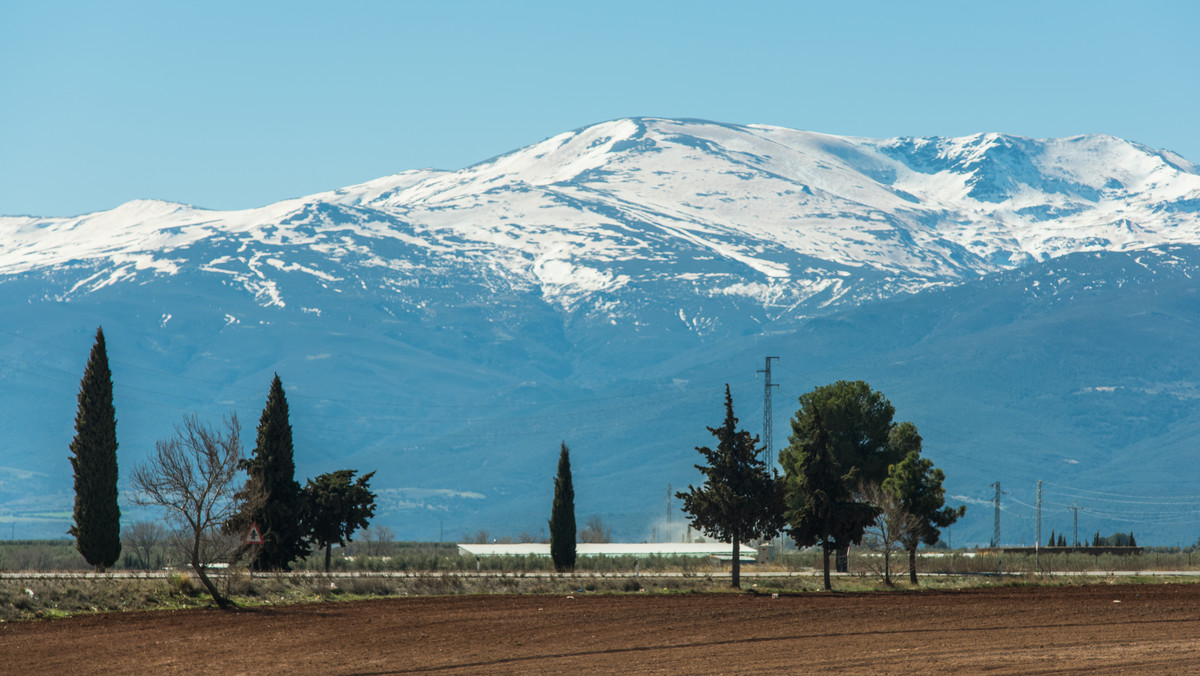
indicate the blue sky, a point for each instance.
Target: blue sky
{"x":231,"y":105}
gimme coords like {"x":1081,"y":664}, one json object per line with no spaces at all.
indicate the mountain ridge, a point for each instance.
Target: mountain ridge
{"x":404,"y":195}
{"x":451,"y":328}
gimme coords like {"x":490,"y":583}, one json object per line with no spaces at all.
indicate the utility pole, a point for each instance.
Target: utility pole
{"x":768,"y":423}
{"x":996,"y":526}
{"x":1037,"y":537}
{"x":668,"y":508}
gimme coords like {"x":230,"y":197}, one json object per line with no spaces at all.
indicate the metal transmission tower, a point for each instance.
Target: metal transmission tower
{"x":768,"y":423}
{"x":996,"y":527}
{"x":1075,"y":528}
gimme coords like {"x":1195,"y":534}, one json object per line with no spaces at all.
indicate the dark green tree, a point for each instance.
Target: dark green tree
{"x":335,"y":506}
{"x":562,"y":515}
{"x":1052,"y":539}
{"x":918,"y":486}
{"x":1132,"y":540}
{"x":1062,"y":540}
{"x":97,"y":523}
{"x":820,"y":507}
{"x":272,"y":498}
{"x":740,"y":499}
{"x":859,"y":423}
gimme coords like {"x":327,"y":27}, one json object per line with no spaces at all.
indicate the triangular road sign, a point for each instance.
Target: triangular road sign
{"x":253,"y":536}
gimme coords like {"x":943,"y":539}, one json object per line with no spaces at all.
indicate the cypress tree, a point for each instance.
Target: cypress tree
{"x":562,"y":516}
{"x":97,"y":527}
{"x":272,"y":497}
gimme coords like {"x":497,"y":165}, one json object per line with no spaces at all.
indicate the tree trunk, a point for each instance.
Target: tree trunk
{"x":825,"y":555}
{"x":328,"y":549}
{"x":737,"y":562}
{"x":887,"y":564}
{"x":912,"y":564}
{"x":208,"y":584}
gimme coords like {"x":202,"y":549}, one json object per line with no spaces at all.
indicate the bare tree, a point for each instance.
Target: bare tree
{"x":192,"y":475}
{"x":141,"y":538}
{"x":378,"y":540}
{"x":595,"y":530}
{"x":890,"y":526}
{"x":385,"y":538}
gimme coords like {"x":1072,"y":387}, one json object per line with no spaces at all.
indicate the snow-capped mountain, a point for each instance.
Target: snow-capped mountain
{"x":771,"y":216}
{"x":450,"y":327}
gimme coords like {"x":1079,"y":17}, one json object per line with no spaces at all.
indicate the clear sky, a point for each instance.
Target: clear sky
{"x":230,"y":105}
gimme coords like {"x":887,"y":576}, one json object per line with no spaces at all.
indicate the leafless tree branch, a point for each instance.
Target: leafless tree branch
{"x":192,"y":476}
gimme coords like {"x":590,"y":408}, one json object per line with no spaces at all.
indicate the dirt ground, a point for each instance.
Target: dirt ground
{"x":1098,"y":628}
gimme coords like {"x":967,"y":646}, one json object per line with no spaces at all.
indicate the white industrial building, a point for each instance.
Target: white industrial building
{"x":720,"y":550}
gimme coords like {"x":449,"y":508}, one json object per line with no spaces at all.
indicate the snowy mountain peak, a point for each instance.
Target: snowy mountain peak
{"x":788,"y":220}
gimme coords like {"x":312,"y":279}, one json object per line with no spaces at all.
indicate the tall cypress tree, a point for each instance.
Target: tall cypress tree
{"x":272,"y":497}
{"x":562,"y":516}
{"x":97,"y":527}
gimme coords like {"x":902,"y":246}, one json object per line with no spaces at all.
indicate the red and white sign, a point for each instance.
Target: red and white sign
{"x":253,"y":536}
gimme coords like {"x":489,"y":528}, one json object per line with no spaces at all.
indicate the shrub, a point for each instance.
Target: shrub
{"x":181,"y":583}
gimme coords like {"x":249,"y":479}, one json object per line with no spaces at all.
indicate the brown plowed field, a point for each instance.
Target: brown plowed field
{"x":1098,"y":628}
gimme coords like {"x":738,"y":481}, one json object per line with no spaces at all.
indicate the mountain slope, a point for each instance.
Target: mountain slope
{"x":449,"y":329}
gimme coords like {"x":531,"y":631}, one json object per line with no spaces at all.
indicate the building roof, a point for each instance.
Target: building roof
{"x":613,"y":549}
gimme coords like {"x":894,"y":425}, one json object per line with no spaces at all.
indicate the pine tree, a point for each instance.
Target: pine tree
{"x":820,"y":508}
{"x":97,"y":525}
{"x":1052,"y":539}
{"x":272,"y":497}
{"x":1132,"y":541}
{"x":1062,"y":540}
{"x":336,"y":505}
{"x":918,"y":485}
{"x":740,"y":499}
{"x":562,"y":516}
{"x":860,"y":427}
